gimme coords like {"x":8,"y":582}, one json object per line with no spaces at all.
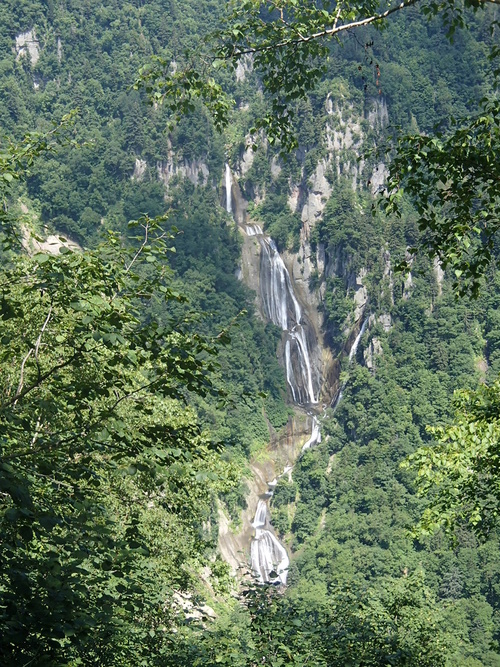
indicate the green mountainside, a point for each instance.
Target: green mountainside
{"x":109,"y":517}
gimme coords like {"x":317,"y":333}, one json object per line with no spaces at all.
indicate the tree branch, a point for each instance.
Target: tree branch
{"x":74,"y":435}
{"x":39,"y":339}
{"x":35,"y":350}
{"x":21,"y":393}
{"x":337,"y":15}
{"x":144,"y":243}
{"x":330,"y":32}
{"x":21,"y":378}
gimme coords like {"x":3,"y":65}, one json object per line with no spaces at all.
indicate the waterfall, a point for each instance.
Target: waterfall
{"x":352,"y":354}
{"x":315,"y":438}
{"x":229,"y":205}
{"x":299,"y":338}
{"x":267,"y":554}
{"x":281,"y":306}
{"x":253,"y":230}
{"x":260,"y":515}
{"x":355,"y":345}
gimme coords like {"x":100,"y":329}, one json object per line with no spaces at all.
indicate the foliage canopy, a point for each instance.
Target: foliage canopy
{"x":105,"y":473}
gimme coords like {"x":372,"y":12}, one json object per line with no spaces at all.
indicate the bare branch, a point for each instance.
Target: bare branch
{"x":39,"y":339}
{"x":35,"y":350}
{"x":21,"y":393}
{"x":132,"y":393}
{"x":21,"y":378}
{"x":144,"y":243}
{"x":335,"y":29}
{"x":329,"y":32}
{"x":337,"y":16}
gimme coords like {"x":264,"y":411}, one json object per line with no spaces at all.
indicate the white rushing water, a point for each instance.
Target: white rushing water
{"x":352,"y":354}
{"x":229,"y":204}
{"x":315,"y":438}
{"x":269,"y":558}
{"x":355,"y":345}
{"x":253,"y":230}
{"x":283,"y":309}
{"x":267,"y":554}
{"x":304,"y":364}
{"x":260,"y":515}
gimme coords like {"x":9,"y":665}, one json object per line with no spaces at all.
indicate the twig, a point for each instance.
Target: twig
{"x":144,"y":243}
{"x":21,"y":379}
{"x":339,"y":9}
{"x":21,"y":393}
{"x":35,"y":350}
{"x":329,"y":32}
{"x":39,"y":339}
{"x":146,"y":230}
{"x":132,"y":393}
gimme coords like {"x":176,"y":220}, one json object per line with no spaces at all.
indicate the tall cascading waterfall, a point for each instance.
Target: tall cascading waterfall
{"x":280,"y":305}
{"x":269,"y":557}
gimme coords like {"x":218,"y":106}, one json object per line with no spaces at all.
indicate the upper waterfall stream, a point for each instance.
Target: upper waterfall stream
{"x":281,"y":306}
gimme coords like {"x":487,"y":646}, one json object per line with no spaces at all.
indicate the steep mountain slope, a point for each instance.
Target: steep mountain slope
{"x":329,"y":331}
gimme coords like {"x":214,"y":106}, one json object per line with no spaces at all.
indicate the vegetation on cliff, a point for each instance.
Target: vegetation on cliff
{"x":119,"y":424}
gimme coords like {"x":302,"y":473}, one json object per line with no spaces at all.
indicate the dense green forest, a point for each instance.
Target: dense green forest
{"x":137,"y":379}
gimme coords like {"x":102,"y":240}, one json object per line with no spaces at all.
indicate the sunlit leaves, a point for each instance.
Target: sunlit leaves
{"x":459,"y":472}
{"x":105,"y":474}
{"x":399,"y":625}
{"x":453,"y":179}
{"x":181,"y":90}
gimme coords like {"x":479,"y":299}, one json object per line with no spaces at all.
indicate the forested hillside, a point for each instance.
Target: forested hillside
{"x":142,"y":377}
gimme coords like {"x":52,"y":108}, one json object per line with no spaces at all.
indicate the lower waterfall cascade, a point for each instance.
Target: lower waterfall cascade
{"x":268,"y":556}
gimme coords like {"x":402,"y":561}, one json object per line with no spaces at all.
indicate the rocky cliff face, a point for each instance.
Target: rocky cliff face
{"x":195,"y":171}
{"x":280,"y":455}
{"x":309,"y":265}
{"x":291,"y":288}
